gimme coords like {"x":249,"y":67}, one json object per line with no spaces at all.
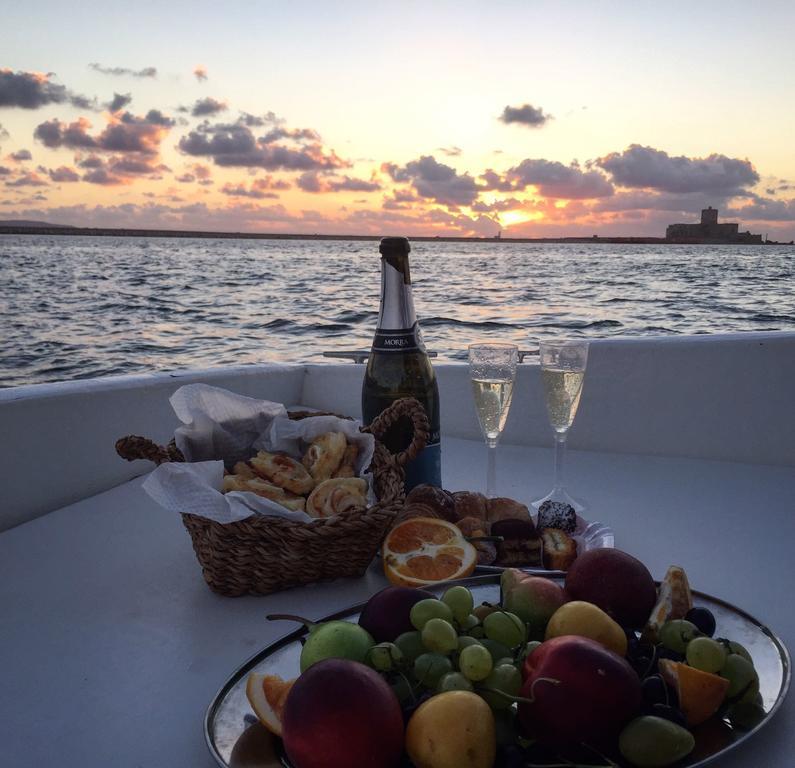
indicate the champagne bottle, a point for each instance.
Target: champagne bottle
{"x":399,"y":366}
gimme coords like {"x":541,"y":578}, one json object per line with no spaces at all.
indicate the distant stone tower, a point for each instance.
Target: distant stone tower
{"x":709,"y":216}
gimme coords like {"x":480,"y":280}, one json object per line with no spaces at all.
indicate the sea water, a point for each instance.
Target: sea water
{"x":78,"y":307}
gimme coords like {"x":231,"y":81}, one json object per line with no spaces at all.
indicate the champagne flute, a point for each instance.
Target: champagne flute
{"x":492,"y":370}
{"x":563,"y":366}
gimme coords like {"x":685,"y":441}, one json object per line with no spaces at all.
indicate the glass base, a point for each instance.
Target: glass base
{"x":559,"y":494}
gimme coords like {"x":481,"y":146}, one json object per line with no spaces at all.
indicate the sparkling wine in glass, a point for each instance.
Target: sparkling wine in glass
{"x":492,"y":370}
{"x":563,"y":366}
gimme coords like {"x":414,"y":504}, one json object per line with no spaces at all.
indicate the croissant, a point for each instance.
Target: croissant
{"x":347,"y":467}
{"x":241,"y":469}
{"x":283,"y":471}
{"x":266,"y":490}
{"x":324,"y":455}
{"x":337,"y":495}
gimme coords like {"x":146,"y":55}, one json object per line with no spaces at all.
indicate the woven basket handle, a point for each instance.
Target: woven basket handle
{"x":135,"y":447}
{"x":406,"y":407}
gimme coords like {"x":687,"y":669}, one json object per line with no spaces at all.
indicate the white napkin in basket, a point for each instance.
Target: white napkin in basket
{"x":220,"y":424}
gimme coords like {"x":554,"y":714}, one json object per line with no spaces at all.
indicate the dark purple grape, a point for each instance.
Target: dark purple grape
{"x":669,"y":713}
{"x":667,"y":653}
{"x":410,"y":707}
{"x":643,"y":666}
{"x":654,"y":691}
{"x":703,"y":619}
{"x":509,"y":756}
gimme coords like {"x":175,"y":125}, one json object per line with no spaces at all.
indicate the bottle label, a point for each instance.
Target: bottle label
{"x":398,"y":340}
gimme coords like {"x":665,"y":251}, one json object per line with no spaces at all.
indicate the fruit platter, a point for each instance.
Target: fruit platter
{"x":602,"y":667}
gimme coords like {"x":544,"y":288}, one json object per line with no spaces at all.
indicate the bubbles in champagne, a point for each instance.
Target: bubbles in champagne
{"x":562,"y":390}
{"x":492,"y":401}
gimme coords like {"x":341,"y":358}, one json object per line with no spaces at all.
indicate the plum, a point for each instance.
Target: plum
{"x":616,"y":582}
{"x":386,"y":614}
{"x":580,"y":692}
{"x":340,"y":713}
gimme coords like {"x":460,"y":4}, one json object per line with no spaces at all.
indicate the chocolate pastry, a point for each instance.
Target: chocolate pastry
{"x":557,"y":514}
{"x":521,"y":544}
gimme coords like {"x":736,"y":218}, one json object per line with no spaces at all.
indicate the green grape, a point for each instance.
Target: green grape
{"x":475,"y":662}
{"x":430,"y":608}
{"x":410,"y":645}
{"x":528,"y":649}
{"x":651,"y":742}
{"x":385,"y":657}
{"x":453,"y":681}
{"x":504,"y":677}
{"x":732,"y":647}
{"x":746,"y":714}
{"x":497,"y":650}
{"x":477,"y":632}
{"x":429,"y":668}
{"x":465,"y":640}
{"x":438,"y":635}
{"x":460,"y":601}
{"x":676,"y":634}
{"x":705,"y":654}
{"x":469,"y":623}
{"x":506,"y":628}
{"x":741,"y":675}
{"x":402,"y":688}
{"x":505,"y":660}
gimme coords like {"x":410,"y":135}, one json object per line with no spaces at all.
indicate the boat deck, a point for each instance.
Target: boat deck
{"x":114,"y":646}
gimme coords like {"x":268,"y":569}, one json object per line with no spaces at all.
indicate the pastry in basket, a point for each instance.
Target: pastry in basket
{"x":506,"y":509}
{"x":266,"y":490}
{"x":469,"y":504}
{"x":324,"y":455}
{"x":438,"y":499}
{"x":283,"y":471}
{"x":336,"y":496}
{"x":415,"y":509}
{"x":560,"y":550}
{"x":347,"y":467}
{"x":241,"y":469}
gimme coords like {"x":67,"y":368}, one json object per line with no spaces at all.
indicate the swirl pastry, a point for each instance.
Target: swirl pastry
{"x":283,"y":471}
{"x":266,"y":490}
{"x":337,"y":495}
{"x":325,"y":455}
{"x":347,"y":467}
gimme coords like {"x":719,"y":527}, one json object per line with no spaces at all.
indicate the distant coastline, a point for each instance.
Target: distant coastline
{"x":66,"y":230}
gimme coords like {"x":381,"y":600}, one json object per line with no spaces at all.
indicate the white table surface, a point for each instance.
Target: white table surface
{"x":113,"y":646}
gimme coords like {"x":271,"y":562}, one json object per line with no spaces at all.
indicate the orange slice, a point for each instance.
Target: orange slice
{"x":424,"y":550}
{"x":267,"y":694}
{"x":700,"y":693}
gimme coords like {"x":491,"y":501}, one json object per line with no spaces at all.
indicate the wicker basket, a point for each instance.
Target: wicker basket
{"x":264,"y":554}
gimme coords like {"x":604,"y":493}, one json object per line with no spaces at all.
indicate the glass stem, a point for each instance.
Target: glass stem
{"x":491,"y":471}
{"x":560,"y":453}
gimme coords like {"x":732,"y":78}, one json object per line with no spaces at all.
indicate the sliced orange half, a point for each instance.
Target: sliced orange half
{"x":267,"y":694}
{"x":424,"y":550}
{"x":700,"y":693}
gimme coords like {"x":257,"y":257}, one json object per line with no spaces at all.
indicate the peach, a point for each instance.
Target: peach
{"x":532,"y":598}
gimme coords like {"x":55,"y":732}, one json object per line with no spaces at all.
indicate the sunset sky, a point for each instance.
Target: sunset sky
{"x":418,"y":118}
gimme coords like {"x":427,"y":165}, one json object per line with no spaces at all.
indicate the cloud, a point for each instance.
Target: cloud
{"x":64,"y":174}
{"x":119,"y":101}
{"x":646,"y":167}
{"x":28,"y":179}
{"x":234,"y":145}
{"x":92,"y":161}
{"x":312,"y":182}
{"x":208,"y":106}
{"x":553,"y":179}
{"x":200,"y":72}
{"x":510,"y":204}
{"x":124,"y":71}
{"x":103,"y":177}
{"x":125,"y":132}
{"x":5,"y":171}
{"x":20,"y":156}
{"x":3,"y":133}
{"x":435,"y":181}
{"x":450,"y":151}
{"x":259,"y":190}
{"x":31,"y":90}
{"x":765,"y":209}
{"x":527,"y":114}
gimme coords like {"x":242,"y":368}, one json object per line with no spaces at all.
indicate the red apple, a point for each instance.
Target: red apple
{"x":581,"y":692}
{"x":386,"y":614}
{"x":339,"y":714}
{"x":532,"y":598}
